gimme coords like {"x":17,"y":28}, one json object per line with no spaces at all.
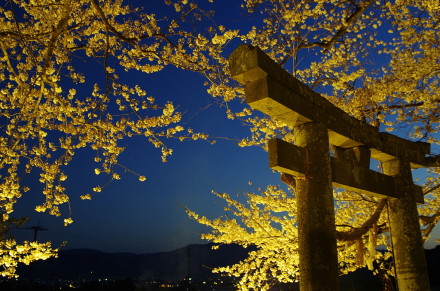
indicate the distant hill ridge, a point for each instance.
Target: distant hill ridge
{"x":195,"y":261}
{"x":85,"y":264}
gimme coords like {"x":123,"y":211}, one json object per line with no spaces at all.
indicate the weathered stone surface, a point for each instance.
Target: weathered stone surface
{"x":355,"y":176}
{"x":248,"y":63}
{"x":257,"y":96}
{"x":409,"y":256}
{"x":360,"y":156}
{"x":286,"y":158}
{"x":275,"y":92}
{"x":433,"y":161}
{"x":318,"y":260}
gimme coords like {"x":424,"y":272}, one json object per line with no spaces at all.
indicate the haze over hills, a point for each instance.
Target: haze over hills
{"x":193,"y":261}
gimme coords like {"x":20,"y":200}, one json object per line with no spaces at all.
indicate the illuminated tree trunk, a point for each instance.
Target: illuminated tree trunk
{"x":409,"y":256}
{"x":318,"y":260}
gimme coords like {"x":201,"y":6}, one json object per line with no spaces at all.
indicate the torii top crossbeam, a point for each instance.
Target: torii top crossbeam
{"x":277,"y":93}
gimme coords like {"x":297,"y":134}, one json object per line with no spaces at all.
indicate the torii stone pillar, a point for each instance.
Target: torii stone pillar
{"x":409,"y":256}
{"x":318,"y":257}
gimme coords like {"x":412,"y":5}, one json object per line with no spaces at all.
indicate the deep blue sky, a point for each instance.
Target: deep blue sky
{"x":144,"y":217}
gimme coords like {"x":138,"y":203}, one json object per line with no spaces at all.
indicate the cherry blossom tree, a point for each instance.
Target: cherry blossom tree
{"x":377,"y":60}
{"x":50,"y":109}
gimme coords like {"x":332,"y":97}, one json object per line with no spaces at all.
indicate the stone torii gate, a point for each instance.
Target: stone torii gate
{"x":318,"y":123}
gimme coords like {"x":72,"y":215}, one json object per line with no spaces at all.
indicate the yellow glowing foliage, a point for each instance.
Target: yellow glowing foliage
{"x":377,"y":60}
{"x":12,"y":254}
{"x":50,"y":108}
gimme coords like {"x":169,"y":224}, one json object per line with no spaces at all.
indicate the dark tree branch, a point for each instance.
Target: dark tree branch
{"x":326,"y":45}
{"x":350,"y":20}
{"x":377,"y":109}
{"x":108,"y":25}
{"x":357,"y":233}
{"x":131,"y":40}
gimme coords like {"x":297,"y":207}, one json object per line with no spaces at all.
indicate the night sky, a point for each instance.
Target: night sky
{"x":144,"y":217}
{"x":129,"y":215}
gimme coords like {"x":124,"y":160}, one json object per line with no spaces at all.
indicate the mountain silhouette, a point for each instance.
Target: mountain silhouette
{"x":193,"y":261}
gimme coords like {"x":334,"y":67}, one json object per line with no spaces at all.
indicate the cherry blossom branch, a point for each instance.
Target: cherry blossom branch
{"x":120,"y":35}
{"x":377,"y":109}
{"x":365,"y":227}
{"x":326,"y":45}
